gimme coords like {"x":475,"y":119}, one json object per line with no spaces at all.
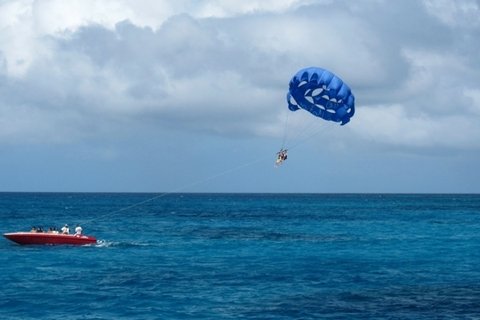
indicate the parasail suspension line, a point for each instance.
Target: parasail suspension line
{"x":182,"y":188}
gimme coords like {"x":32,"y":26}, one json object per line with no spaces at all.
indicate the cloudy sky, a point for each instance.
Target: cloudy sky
{"x":189,"y":95}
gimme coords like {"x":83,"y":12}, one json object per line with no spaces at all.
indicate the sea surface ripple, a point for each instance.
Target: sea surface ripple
{"x":244,"y":256}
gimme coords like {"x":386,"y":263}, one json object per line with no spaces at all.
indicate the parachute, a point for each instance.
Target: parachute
{"x":321,"y":93}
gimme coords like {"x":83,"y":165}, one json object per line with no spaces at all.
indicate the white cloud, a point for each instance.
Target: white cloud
{"x":399,"y":126}
{"x":455,"y":13}
{"x":473,"y":96}
{"x":23,"y":23}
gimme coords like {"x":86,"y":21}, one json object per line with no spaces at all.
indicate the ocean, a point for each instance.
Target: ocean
{"x":244,"y":256}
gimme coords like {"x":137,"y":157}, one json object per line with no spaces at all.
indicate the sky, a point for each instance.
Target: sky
{"x":189,"y":96}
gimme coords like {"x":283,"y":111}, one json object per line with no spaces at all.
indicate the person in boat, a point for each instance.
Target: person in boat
{"x":78,"y":230}
{"x":65,"y":229}
{"x":52,"y":230}
{"x":34,"y":229}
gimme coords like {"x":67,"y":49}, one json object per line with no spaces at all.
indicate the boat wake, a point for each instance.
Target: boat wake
{"x":109,"y":244}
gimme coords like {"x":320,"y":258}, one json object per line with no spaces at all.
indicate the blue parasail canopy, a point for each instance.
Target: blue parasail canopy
{"x":321,"y":93}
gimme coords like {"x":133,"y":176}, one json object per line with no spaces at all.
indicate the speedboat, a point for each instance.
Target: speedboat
{"x":49,"y":238}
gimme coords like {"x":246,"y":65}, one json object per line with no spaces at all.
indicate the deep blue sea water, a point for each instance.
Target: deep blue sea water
{"x":244,"y":256}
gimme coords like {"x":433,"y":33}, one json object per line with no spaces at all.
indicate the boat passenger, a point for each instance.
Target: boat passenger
{"x":78,"y":230}
{"x":65,"y":229}
{"x":34,"y":229}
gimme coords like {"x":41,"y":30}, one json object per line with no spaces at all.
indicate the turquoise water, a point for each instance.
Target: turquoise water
{"x":244,"y":256}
